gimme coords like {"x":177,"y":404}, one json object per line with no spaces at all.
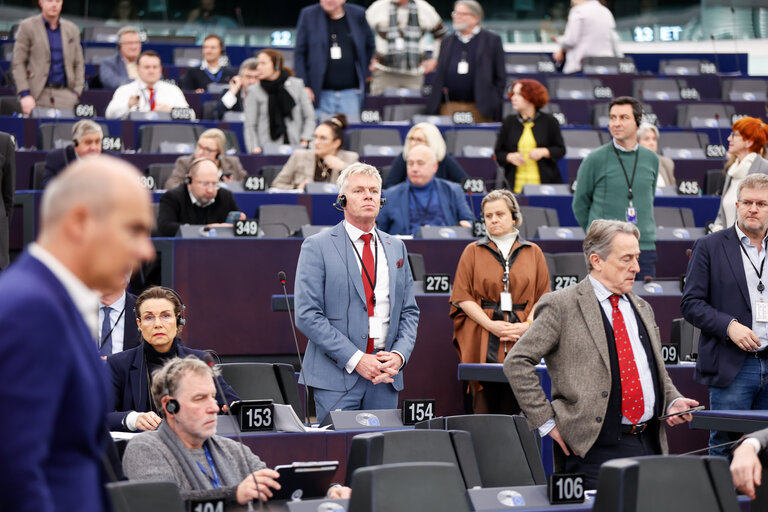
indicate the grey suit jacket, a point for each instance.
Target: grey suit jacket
{"x":667,"y":170}
{"x":570,"y":335}
{"x":32,"y":56}
{"x":300,"y":167}
{"x":330,"y":306}
{"x":759,"y":165}
{"x":300,"y":127}
{"x":762,"y":436}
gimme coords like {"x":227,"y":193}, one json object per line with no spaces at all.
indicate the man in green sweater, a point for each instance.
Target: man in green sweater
{"x":618,"y":181}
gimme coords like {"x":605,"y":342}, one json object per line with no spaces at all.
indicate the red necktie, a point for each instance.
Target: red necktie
{"x":151,"y":98}
{"x":632,"y":402}
{"x":368,"y":267}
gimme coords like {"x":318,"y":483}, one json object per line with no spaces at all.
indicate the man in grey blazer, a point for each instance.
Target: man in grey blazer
{"x":48,"y":65}
{"x":603,"y":353}
{"x":358,"y":310}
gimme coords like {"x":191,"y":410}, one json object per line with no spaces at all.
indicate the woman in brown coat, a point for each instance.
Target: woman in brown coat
{"x":498,"y":281}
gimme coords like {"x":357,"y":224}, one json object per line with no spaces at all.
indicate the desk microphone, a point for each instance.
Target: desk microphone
{"x":281,"y":277}
{"x":208,"y":359}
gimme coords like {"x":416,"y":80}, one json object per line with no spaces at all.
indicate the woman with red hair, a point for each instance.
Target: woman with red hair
{"x":529,"y":143}
{"x":746,"y":147}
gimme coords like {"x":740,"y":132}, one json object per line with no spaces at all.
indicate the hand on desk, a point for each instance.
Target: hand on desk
{"x":265,"y":478}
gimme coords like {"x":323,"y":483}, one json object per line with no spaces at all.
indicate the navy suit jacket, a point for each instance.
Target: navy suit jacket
{"x":53,"y":391}
{"x":490,"y":74}
{"x":312,"y":51}
{"x":112,"y":72}
{"x":56,"y":160}
{"x":715,"y":293}
{"x":129,"y":383}
{"x":395,"y":217}
{"x":331,"y":307}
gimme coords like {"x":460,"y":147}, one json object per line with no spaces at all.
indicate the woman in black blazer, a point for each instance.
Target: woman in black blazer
{"x":529,"y":156}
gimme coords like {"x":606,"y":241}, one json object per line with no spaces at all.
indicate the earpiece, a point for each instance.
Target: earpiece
{"x":75,"y":142}
{"x":172,"y":406}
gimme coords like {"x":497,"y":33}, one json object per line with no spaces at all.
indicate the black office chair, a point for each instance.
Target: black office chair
{"x":416,"y":261}
{"x":665,"y":484}
{"x":159,"y":138}
{"x":358,"y":138}
{"x":269,"y":172}
{"x":145,"y":497}
{"x":403,"y":112}
{"x":505,"y":448}
{"x":673,"y":217}
{"x":160,"y":173}
{"x":745,"y":89}
{"x":714,"y":181}
{"x":580,"y":143}
{"x":291,"y":216}
{"x":38,"y":170}
{"x":255,"y":381}
{"x":393,"y":446}
{"x":456,"y":140}
{"x":426,"y":487}
{"x":535,"y":216}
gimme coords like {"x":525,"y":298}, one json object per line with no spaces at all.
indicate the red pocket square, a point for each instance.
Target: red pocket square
{"x":400,"y":263}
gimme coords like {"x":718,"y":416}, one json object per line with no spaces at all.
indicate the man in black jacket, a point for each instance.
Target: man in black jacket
{"x":86,"y":141}
{"x":234,"y":98}
{"x":198,"y":200}
{"x":470,"y":74}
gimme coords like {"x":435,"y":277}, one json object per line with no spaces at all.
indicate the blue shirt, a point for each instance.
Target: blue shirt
{"x":56,"y":74}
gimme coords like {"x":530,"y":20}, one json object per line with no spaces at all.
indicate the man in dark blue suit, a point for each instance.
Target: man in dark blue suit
{"x":423,"y":199}
{"x":334,"y":47}
{"x":725,"y":296}
{"x":86,"y":141}
{"x":121,"y":68}
{"x":117,"y":332}
{"x":95,"y":226}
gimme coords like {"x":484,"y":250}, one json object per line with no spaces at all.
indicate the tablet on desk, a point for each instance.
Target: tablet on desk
{"x":303,"y":480}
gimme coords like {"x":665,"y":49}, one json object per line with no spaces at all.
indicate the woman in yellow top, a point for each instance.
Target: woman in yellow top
{"x":529,"y":143}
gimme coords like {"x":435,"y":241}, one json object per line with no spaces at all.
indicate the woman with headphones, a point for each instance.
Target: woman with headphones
{"x":277,"y":109}
{"x":160,"y":317}
{"x":212,"y":144}
{"x":498,"y":282}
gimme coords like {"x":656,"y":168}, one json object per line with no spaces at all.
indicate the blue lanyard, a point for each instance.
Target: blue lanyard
{"x":214,"y":78}
{"x":214,"y":476}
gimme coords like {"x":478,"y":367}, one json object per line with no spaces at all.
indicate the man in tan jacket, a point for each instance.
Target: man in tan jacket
{"x":48,"y":65}
{"x":603,"y":353}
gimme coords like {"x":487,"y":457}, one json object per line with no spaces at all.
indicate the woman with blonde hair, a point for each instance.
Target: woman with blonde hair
{"x":425,"y":134}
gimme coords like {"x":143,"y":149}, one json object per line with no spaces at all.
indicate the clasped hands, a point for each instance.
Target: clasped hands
{"x":380,"y":367}
{"x":508,"y":332}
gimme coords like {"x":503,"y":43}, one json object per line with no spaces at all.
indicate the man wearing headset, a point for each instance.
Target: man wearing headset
{"x":121,"y":68}
{"x":212,"y":144}
{"x":618,"y":181}
{"x":186,"y":450}
{"x":86,"y":141}
{"x":199,"y":200}
{"x":354,"y":301}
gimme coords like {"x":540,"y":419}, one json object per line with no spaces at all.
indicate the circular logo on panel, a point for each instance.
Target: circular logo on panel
{"x":510,"y":498}
{"x":367,"y":419}
{"x":329,"y":506}
{"x":447,"y":233}
{"x":297,"y":494}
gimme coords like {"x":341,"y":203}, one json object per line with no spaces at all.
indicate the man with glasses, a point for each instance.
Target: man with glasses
{"x":199,"y":200}
{"x":470,"y":74}
{"x":212,"y":144}
{"x":725,"y":296}
{"x":122,"y":67}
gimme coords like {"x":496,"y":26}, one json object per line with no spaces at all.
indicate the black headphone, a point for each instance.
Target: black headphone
{"x":75,"y":142}
{"x":172,"y":406}
{"x":341,"y":202}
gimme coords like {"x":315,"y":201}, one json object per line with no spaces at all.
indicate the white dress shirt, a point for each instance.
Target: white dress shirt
{"x":117,"y":314}
{"x":166,"y":93}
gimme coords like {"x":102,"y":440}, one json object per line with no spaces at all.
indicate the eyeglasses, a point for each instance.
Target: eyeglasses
{"x":207,"y":150}
{"x":165,"y":318}
{"x":746,"y":203}
{"x":207,"y":184}
{"x":456,"y":14}
{"x":734,"y":135}
{"x":418,"y":139}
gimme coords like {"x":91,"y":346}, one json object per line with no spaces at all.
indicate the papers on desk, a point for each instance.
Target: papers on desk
{"x":118,"y":436}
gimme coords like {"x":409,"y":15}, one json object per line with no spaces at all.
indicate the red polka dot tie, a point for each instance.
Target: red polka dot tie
{"x":632,"y":403}
{"x":368,"y":265}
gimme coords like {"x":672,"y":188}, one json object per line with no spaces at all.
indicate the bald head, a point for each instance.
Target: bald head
{"x":421,"y":165}
{"x":96,"y":219}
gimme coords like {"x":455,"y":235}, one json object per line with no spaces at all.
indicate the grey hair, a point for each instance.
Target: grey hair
{"x":166,"y":380}
{"x":600,"y":237}
{"x":357,"y":168}
{"x":509,"y":198}
{"x":84,"y":127}
{"x":248,"y":64}
{"x":644,"y":127}
{"x":434,"y":140}
{"x":473,"y":6}
{"x":128,"y":29}
{"x":752,"y":181}
{"x":218,"y":136}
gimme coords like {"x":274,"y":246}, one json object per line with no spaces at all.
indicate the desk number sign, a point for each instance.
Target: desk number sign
{"x":565,"y":488}
{"x":256,"y":417}
{"x":415,"y":411}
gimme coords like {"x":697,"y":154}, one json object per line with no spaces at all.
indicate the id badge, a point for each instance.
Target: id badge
{"x":632,"y":215}
{"x":463,"y":67}
{"x":399,"y":44}
{"x":761,"y":311}
{"x":506,"y":302}
{"x":335,"y":52}
{"x":375,"y":327}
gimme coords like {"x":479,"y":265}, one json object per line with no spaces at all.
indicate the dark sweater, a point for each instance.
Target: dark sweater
{"x":196,"y":78}
{"x":176,"y":208}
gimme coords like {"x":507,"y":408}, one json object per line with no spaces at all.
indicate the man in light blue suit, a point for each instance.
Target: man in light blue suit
{"x":423,"y":199}
{"x":114,"y":71}
{"x":358,"y":310}
{"x":95,"y":226}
